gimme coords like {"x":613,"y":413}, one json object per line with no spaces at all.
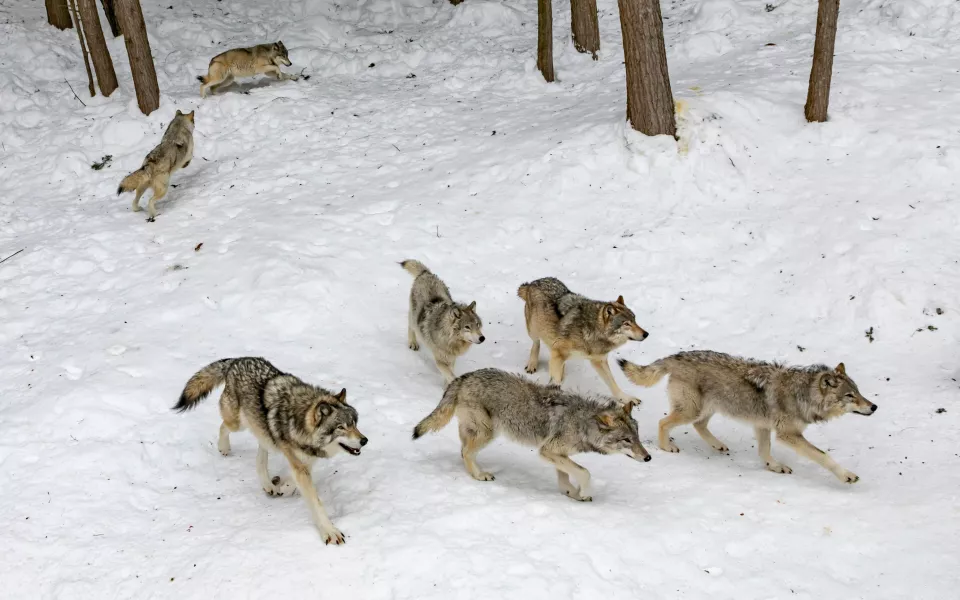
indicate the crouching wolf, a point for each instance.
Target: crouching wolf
{"x":446,"y":327}
{"x":302,"y":421}
{"x":174,"y":152}
{"x":771,"y":396}
{"x":572,"y":325}
{"x":245,"y":62}
{"x":559,"y":423}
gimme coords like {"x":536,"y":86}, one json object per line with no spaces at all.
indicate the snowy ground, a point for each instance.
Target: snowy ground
{"x":761,"y":235}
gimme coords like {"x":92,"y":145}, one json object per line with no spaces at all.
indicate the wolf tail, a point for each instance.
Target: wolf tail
{"x":645,"y":376}
{"x":414,"y":267}
{"x":201,"y":78}
{"x":134,"y":180}
{"x":442,"y":414}
{"x":524,"y":292}
{"x":202,"y":383}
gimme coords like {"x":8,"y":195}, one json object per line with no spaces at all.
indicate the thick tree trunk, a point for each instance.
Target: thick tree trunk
{"x":818,"y":93}
{"x":650,"y":108}
{"x":138,"y":49}
{"x":545,"y":39}
{"x":83,"y":46}
{"x":58,"y":14}
{"x":586,"y":28}
{"x":111,"y":17}
{"x":90,"y":19}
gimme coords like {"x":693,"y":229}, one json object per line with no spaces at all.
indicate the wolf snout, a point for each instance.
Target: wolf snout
{"x":647,"y":458}
{"x":480,"y":340}
{"x":873,"y":408}
{"x":644,"y":336}
{"x":363,"y":441}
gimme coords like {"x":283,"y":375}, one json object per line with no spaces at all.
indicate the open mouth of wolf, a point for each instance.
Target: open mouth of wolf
{"x":353,"y":451}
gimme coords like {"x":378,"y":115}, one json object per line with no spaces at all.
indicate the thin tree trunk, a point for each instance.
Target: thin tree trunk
{"x":545,"y":39}
{"x":138,"y":49}
{"x":650,"y":108}
{"x":111,"y":17}
{"x":586,"y":28}
{"x":83,"y":47}
{"x":455,"y":2}
{"x":90,"y":19}
{"x":58,"y":14}
{"x":818,"y":93}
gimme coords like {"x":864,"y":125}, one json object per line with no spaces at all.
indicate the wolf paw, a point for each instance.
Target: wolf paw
{"x":333,"y":536}
{"x":779,"y":467}
{"x":414,"y":346}
{"x":224,"y":447}
{"x":151,"y":219}
{"x":136,"y":208}
{"x":576,"y":496}
{"x":848,"y":477}
{"x":669,"y":447}
{"x":531,"y":369}
{"x":484,"y":476}
{"x":281,"y":487}
{"x":720,"y":448}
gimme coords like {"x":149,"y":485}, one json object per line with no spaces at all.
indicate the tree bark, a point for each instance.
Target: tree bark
{"x":545,"y":39}
{"x":650,"y":107}
{"x":138,"y":49}
{"x":58,"y":14}
{"x":83,"y":47}
{"x":90,"y":19}
{"x":586,"y":28}
{"x":111,"y":17}
{"x":818,"y":93}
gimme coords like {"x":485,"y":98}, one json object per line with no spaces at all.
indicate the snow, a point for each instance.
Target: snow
{"x":757,"y":234}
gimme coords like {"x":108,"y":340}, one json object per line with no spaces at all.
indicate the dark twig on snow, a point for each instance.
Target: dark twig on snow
{"x":12,"y":255}
{"x":74,"y":93}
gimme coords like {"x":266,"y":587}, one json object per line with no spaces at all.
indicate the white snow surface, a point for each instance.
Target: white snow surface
{"x":758,"y":234}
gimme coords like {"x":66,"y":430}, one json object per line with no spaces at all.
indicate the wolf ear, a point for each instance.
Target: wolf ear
{"x":620,"y":300}
{"x":606,"y":421}
{"x":609,"y":310}
{"x":342,"y":396}
{"x":179,"y":114}
{"x":841,"y":370}
{"x":316,"y":416}
{"x":472,"y":306}
{"x":828,"y":380}
{"x":456,"y":313}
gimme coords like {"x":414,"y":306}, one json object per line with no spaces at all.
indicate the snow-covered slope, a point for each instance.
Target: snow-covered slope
{"x":425,"y":132}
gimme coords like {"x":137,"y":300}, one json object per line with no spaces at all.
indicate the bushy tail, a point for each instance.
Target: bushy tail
{"x":414,"y":267}
{"x":523,"y":291}
{"x":202,"y":383}
{"x":645,"y":376}
{"x":442,"y":414}
{"x":201,"y":78}
{"x":134,"y":180}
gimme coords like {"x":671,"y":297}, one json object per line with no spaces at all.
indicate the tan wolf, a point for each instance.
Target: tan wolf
{"x":557,"y":422}
{"x":174,"y":152}
{"x":263,"y":59}
{"x":302,"y":421}
{"x":573,"y":325}
{"x":446,"y":327}
{"x":770,"y":396}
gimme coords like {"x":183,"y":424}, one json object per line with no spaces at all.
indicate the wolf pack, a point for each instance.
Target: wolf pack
{"x":306,"y":422}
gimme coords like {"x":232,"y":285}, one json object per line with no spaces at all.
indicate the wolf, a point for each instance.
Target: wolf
{"x":302,"y":421}
{"x":573,"y":325}
{"x":771,"y":396}
{"x":557,"y":422}
{"x":446,"y":327}
{"x":174,"y":152}
{"x":245,"y":62}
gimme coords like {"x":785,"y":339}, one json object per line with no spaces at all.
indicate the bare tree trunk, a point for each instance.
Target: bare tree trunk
{"x":545,"y":39}
{"x":818,"y":93}
{"x":586,"y":28}
{"x":92,"y":30}
{"x":138,"y":49}
{"x":83,"y":47}
{"x":58,"y":14}
{"x":650,"y":108}
{"x":111,"y":17}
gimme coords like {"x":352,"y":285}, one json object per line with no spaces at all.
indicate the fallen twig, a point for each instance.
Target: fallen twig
{"x":12,"y":255}
{"x":74,"y":93}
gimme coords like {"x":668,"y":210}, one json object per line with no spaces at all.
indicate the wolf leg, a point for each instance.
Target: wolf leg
{"x":412,"y":338}
{"x":685,"y":405}
{"x":301,"y":473}
{"x":572,"y":469}
{"x":701,"y":426}
{"x":475,"y":434}
{"x":223,"y":442}
{"x":445,"y":366}
{"x":763,"y":447}
{"x":275,"y":486}
{"x":557,"y":359}
{"x":801,"y":446}
{"x":563,"y":480}
{"x":136,"y":199}
{"x":602,"y":367}
{"x":159,"y":191}
{"x":221,"y":85}
{"x":229,"y":412}
{"x":534,"y":360}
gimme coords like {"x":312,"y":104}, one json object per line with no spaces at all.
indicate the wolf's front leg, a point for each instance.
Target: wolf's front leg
{"x":602,"y":367}
{"x":446,"y":367}
{"x":572,"y":469}
{"x":301,"y":474}
{"x":801,"y":446}
{"x":275,"y":486}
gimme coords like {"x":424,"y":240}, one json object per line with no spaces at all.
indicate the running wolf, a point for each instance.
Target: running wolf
{"x":771,"y":396}
{"x":302,"y":421}
{"x":174,"y":152}
{"x":446,"y":327}
{"x":559,"y":423}
{"x":245,"y":62}
{"x":573,"y":325}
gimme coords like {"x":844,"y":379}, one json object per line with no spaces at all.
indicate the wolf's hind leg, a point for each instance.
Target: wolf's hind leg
{"x":273,"y":486}
{"x":701,"y":426}
{"x":763,"y":447}
{"x":475,"y":433}
{"x":534,"y":361}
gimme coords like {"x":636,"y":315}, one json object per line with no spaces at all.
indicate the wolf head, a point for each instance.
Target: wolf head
{"x":840,"y":395}
{"x":282,"y":56}
{"x":187,"y":118}
{"x":620,"y":322}
{"x":617,"y":433}
{"x":332,"y":425}
{"x":467,"y":324}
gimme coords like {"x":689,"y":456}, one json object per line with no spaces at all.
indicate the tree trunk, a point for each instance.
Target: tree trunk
{"x":818,"y":93}
{"x":650,"y":108}
{"x":58,"y":14}
{"x":92,"y":30}
{"x":545,"y":39}
{"x":138,"y":49}
{"x":111,"y":17}
{"x":586,"y":28}
{"x":83,"y":46}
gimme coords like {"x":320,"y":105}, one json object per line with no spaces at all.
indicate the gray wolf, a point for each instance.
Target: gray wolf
{"x":770,"y":396}
{"x":263,"y":59}
{"x":302,"y":421}
{"x":556,"y":422}
{"x":572,"y":325}
{"x":174,"y":152}
{"x":446,"y":327}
